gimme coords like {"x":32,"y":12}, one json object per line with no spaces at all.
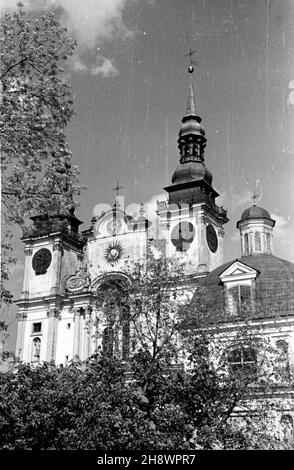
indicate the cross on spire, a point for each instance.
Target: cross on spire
{"x":117,"y":188}
{"x":192,"y":62}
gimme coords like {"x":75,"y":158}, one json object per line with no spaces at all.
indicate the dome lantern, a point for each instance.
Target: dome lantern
{"x":256,"y":231}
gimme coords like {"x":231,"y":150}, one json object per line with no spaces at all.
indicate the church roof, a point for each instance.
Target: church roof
{"x":255,"y":212}
{"x":191,"y":171}
{"x":274,"y":282}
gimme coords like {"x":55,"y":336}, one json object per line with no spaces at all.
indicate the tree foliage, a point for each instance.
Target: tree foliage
{"x":175,"y":389}
{"x":35,"y":107}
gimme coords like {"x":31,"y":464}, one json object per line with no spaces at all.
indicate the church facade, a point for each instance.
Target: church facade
{"x":64,"y":269}
{"x":59,"y":318}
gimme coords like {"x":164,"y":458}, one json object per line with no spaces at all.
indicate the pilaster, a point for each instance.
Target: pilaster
{"x":53,"y":315}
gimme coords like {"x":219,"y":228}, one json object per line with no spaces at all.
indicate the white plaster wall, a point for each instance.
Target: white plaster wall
{"x":134,"y":248}
{"x":40,"y":285}
{"x":65,"y":336}
{"x":69,"y":266}
{"x":35,"y":315}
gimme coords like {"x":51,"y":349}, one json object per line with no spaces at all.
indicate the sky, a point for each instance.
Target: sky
{"x":130,"y":85}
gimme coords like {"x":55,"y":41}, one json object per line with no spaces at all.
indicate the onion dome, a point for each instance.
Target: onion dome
{"x":191,"y":181}
{"x":191,"y":141}
{"x":190,"y":171}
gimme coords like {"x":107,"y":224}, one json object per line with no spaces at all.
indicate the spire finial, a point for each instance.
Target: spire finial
{"x":192,"y":62}
{"x":254,"y":198}
{"x":191,"y":106}
{"x":116,"y":201}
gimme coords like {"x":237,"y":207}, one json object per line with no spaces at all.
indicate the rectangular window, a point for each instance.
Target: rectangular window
{"x":239,"y":299}
{"x":37,"y":327}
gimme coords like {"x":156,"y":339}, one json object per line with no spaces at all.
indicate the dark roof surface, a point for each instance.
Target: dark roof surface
{"x":274,"y":283}
{"x":255,"y":212}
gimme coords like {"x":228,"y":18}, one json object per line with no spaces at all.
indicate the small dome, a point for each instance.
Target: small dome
{"x":255,"y":212}
{"x":191,"y":171}
{"x":191,"y":125}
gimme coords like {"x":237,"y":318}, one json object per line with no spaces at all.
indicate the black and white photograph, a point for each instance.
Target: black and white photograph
{"x":147,"y":230}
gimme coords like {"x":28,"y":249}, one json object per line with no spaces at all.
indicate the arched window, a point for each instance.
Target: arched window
{"x":36,"y":349}
{"x":268,"y":242}
{"x":282,"y":366}
{"x":239,"y":299}
{"x":107,"y":341}
{"x":287,"y":429}
{"x":114,"y":303}
{"x":242,"y":362}
{"x":246,"y":244}
{"x":257,"y":241}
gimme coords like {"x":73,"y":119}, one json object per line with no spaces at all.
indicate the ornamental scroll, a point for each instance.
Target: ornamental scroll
{"x":78,"y":282}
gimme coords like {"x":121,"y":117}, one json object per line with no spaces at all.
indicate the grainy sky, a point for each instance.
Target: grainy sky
{"x":130,"y":84}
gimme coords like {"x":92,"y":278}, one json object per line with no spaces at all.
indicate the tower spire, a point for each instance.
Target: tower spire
{"x":191,"y":105}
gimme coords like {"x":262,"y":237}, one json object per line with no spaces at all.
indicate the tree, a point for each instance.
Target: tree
{"x":36,"y":105}
{"x":192,"y":355}
{"x":176,"y":388}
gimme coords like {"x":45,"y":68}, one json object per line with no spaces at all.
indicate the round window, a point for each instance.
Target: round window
{"x":182,"y":235}
{"x":211,"y":238}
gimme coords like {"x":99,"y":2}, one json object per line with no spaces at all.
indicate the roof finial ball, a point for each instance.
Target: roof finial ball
{"x":192,"y":62}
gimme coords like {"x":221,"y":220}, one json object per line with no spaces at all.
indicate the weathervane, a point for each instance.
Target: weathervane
{"x":192,"y":62}
{"x":254,"y":197}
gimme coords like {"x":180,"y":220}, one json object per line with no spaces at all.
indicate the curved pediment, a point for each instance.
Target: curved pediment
{"x":112,"y":222}
{"x":106,"y":278}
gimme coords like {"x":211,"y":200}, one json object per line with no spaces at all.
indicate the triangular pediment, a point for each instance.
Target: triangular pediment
{"x":238,"y":270}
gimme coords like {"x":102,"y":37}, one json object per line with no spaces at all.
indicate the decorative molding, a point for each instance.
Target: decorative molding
{"x":106,"y":277}
{"x":205,"y":220}
{"x":78,"y":282}
{"x":58,"y":246}
{"x":28,"y":251}
{"x":78,"y":311}
{"x":21,"y":316}
{"x":221,"y":232}
{"x":89,"y":309}
{"x":80,"y":256}
{"x":113,"y":253}
{"x":53,"y":312}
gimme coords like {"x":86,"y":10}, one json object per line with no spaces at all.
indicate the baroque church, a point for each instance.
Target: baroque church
{"x":65,"y":269}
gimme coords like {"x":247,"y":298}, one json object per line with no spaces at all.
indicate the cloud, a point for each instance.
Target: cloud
{"x":104,"y":67}
{"x":91,"y":22}
{"x":281,"y":230}
{"x":245,"y":198}
{"x":150,"y":208}
{"x":78,"y":65}
{"x":242,"y":199}
{"x":283,"y":237}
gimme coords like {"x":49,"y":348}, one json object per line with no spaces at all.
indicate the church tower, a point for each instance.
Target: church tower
{"x":256,"y":231}
{"x":53,"y":246}
{"x":191,"y":222}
